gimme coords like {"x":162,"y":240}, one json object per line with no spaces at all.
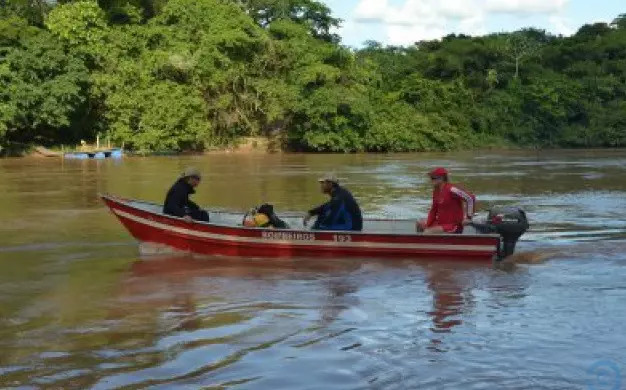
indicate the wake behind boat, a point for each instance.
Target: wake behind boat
{"x":380,"y":238}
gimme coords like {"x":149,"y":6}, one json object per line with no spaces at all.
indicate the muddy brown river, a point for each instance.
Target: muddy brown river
{"x":81,"y":308}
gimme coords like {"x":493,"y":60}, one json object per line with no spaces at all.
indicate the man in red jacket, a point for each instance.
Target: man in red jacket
{"x":452,"y":207}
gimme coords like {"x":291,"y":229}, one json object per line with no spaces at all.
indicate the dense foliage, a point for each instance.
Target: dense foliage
{"x":190,"y":75}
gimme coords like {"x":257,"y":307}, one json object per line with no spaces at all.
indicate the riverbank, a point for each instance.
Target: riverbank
{"x":259,"y":146}
{"x":246,"y":145}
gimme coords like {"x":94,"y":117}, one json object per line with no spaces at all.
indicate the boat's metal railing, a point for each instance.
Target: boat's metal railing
{"x":231,"y":218}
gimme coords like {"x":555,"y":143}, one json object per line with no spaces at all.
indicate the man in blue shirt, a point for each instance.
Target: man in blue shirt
{"x":341,"y":213}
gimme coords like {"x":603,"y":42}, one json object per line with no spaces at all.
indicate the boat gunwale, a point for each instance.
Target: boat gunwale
{"x":124,"y":201}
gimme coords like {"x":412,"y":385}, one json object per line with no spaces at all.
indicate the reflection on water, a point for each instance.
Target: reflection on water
{"x":80,"y":309}
{"x":448,"y":300}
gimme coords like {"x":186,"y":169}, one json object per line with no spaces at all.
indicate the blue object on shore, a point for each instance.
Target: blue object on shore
{"x":101,"y":154}
{"x":76,"y":156}
{"x":117,"y":153}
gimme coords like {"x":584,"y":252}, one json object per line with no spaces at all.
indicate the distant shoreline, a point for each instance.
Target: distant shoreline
{"x":262,"y":146}
{"x":34,"y":154}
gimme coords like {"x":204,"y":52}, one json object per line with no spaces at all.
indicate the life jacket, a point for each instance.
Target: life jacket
{"x":261,"y":220}
{"x":256,"y":220}
{"x":264,"y":217}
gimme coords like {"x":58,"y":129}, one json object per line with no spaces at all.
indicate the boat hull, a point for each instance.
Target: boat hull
{"x":233,"y":241}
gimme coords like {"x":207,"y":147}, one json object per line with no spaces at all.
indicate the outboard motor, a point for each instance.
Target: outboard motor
{"x":510,"y":223}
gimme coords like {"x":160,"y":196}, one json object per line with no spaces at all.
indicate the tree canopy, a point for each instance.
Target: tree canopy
{"x":191,"y":75}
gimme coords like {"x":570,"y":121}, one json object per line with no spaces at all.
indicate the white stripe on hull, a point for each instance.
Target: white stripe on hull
{"x":327,"y":244}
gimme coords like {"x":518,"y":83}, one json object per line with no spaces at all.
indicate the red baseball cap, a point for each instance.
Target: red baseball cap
{"x":438,"y":172}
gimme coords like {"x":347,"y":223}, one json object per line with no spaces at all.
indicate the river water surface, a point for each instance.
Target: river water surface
{"x":81,"y":308}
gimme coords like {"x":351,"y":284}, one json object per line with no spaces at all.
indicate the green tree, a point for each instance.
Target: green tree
{"x":189,"y":75}
{"x":42,"y":89}
{"x":81,"y":26}
{"x":619,"y":22}
{"x":519,"y":47}
{"x":312,"y":14}
{"x":33,"y":11}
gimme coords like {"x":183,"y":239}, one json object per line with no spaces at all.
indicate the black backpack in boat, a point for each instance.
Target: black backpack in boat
{"x":276,"y":222}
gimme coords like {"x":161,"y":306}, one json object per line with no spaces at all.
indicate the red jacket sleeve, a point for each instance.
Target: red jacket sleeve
{"x":468,"y":197}
{"x":432,"y":214}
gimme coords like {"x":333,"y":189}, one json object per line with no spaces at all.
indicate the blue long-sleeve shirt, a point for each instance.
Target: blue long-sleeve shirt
{"x":341,"y":213}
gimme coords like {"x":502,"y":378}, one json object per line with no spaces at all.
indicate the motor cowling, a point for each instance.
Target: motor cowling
{"x":510,"y":223}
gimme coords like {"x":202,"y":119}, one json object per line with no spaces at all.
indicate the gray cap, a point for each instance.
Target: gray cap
{"x":329,"y":177}
{"x":191,"y":172}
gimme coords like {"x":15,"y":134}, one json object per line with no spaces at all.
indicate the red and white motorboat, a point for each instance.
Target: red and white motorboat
{"x":226,"y":236}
